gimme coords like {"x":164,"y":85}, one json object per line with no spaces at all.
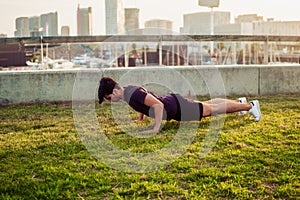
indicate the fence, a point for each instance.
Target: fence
{"x":178,"y":49}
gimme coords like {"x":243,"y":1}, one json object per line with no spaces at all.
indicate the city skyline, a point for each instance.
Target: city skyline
{"x":149,"y":9}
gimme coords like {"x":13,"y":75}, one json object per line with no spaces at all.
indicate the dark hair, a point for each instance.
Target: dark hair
{"x":106,"y":87}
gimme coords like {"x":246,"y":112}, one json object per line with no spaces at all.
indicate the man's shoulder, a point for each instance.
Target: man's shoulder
{"x":132,"y":91}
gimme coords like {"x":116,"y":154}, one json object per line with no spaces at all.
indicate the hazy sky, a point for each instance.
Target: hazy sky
{"x":173,"y":10}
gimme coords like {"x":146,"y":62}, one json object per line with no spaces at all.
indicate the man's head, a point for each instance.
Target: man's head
{"x":108,"y":89}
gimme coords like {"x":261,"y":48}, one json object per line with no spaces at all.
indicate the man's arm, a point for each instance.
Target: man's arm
{"x":141,"y":118}
{"x":158,"y":108}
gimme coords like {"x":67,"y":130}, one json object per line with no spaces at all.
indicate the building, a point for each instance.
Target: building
{"x":84,"y":21}
{"x":22,"y":27}
{"x":34,"y":26}
{"x":114,"y":15}
{"x":49,"y":24}
{"x":234,"y":29}
{"x":132,"y":20}
{"x":34,"y":23}
{"x":65,"y":31}
{"x":200,"y":23}
{"x":12,"y":55}
{"x":45,"y":24}
{"x":289,"y":28}
{"x":270,"y":27}
{"x":248,"y":18}
{"x":158,"y":26}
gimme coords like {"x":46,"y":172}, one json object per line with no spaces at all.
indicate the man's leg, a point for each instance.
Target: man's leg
{"x":222,"y":106}
{"x":220,"y":100}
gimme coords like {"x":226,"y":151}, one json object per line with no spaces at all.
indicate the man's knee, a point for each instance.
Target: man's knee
{"x":207,"y":109}
{"x":213,"y":109}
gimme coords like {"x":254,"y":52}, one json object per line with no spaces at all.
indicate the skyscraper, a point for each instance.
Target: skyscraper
{"x":114,"y":13}
{"x":34,"y":24}
{"x":131,"y":20}
{"x":49,"y":23}
{"x":84,"y":21}
{"x":22,"y":27}
{"x":65,"y":31}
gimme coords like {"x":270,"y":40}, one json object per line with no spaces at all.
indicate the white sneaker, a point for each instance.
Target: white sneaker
{"x":255,"y":110}
{"x":242,"y":100}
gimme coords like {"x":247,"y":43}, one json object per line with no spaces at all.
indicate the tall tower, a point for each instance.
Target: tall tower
{"x":131,"y":20}
{"x":114,"y":14}
{"x":65,"y":31}
{"x":49,"y":23}
{"x":34,"y":24}
{"x":22,"y":27}
{"x":84,"y":21}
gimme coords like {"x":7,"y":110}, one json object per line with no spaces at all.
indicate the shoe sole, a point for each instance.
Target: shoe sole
{"x":242,"y":113}
{"x":258,"y":106}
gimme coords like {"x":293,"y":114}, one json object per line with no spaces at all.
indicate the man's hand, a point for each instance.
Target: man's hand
{"x":152,"y":131}
{"x":140,"y":119}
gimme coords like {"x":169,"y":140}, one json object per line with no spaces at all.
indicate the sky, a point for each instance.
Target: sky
{"x":173,"y":10}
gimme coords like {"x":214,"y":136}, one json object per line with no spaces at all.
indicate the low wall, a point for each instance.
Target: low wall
{"x":68,"y":85}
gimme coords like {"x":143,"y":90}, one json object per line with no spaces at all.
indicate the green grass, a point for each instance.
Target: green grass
{"x":42,"y":157}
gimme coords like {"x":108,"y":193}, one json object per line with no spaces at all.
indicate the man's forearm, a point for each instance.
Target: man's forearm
{"x":158,"y":112}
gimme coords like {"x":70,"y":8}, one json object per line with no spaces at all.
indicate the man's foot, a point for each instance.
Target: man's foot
{"x":242,"y":100}
{"x":255,"y":110}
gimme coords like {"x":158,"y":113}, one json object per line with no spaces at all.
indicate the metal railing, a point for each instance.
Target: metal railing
{"x":267,"y":41}
{"x":149,"y":38}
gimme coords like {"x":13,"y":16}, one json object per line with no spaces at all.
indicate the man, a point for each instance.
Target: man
{"x":171,"y":106}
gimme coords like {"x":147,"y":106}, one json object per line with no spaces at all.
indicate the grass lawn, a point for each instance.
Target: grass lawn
{"x":42,"y":157}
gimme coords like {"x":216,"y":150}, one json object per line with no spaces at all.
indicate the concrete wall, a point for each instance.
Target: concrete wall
{"x":213,"y":81}
{"x":279,"y":79}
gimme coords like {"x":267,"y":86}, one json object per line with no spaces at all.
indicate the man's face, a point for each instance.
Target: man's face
{"x":114,"y":97}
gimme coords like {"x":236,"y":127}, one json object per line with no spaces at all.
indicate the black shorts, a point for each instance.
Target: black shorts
{"x":187,"y":110}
